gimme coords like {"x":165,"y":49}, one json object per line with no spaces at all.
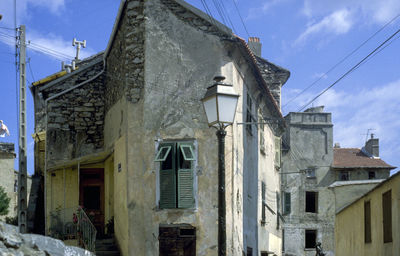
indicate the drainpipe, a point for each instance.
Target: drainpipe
{"x":47,"y":141}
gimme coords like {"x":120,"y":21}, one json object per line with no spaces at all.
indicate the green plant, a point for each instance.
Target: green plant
{"x":4,"y":202}
{"x":110,"y":226}
{"x":12,"y":220}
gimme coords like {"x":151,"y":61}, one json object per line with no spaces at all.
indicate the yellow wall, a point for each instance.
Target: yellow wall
{"x":349,"y":224}
{"x":56,"y":196}
{"x":120,"y":196}
{"x":108,"y":189}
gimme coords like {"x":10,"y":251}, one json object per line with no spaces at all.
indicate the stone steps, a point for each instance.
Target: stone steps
{"x":107,"y":247}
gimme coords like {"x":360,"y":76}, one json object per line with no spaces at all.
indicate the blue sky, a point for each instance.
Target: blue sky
{"x":307,"y":37}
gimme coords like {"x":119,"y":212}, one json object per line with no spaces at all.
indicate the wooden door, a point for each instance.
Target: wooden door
{"x":91,"y":196}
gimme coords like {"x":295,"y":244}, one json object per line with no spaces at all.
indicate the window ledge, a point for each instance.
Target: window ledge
{"x":309,"y":249}
{"x":177,"y":210}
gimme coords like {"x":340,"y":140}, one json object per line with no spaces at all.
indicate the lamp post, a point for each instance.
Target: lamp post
{"x":220,"y":103}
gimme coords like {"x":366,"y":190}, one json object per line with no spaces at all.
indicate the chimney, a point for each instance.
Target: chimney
{"x":372,"y":146}
{"x":255,"y":45}
{"x":337,"y":145}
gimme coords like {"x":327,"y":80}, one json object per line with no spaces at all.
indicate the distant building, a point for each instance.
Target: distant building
{"x":357,"y":171}
{"x":371,"y":224}
{"x":318,"y":180}
{"x":9,"y":177}
{"x":308,"y":204}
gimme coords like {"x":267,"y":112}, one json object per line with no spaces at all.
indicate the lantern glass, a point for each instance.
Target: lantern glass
{"x":210,"y":106}
{"x":226,"y":108}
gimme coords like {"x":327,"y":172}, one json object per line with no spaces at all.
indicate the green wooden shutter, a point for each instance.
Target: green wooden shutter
{"x":287,"y":205}
{"x":168,"y":181}
{"x":185,"y":183}
{"x":263,"y":189}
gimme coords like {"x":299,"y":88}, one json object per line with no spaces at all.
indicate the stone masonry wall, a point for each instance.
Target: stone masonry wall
{"x":75,"y":120}
{"x":125,"y":62}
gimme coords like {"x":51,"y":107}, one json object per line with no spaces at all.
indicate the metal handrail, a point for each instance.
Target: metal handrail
{"x":86,"y":231}
{"x":73,"y":223}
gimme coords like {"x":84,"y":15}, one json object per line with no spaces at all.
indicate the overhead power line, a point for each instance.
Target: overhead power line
{"x":352,"y":69}
{"x":9,"y":39}
{"x":341,"y":61}
{"x":227,"y":15}
{"x":241,"y":19}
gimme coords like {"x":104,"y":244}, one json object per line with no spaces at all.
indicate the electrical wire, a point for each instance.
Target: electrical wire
{"x":7,"y":28}
{"x":218,"y":8}
{"x":30,"y":68}
{"x":351,"y":70}
{"x":207,"y":10}
{"x":227,"y":15}
{"x":38,"y":48}
{"x":342,"y":60}
{"x":240,"y":16}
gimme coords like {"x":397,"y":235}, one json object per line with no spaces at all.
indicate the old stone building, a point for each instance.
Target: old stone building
{"x":318,"y":180}
{"x":125,"y":136}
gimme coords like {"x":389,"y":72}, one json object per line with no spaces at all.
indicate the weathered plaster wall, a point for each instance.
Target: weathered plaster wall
{"x":309,"y":137}
{"x":121,"y":221}
{"x":346,"y":194}
{"x":108,"y":189}
{"x":362,"y":173}
{"x":178,"y":70}
{"x":349,"y":231}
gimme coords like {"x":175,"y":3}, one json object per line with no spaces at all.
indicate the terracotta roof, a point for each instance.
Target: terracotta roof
{"x":355,"y":158}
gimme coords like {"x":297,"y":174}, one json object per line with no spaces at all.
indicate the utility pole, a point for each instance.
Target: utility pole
{"x":22,"y":172}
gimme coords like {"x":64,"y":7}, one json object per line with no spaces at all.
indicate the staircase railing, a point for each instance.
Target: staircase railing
{"x":86,"y":231}
{"x":73,"y":223}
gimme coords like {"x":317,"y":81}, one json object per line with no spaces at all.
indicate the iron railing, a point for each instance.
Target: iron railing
{"x":73,"y":223}
{"x":86,"y":231}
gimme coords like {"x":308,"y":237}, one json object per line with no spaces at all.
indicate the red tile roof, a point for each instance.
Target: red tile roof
{"x":355,"y":158}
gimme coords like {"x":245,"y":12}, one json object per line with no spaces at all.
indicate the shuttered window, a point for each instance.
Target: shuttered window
{"x":387,"y":216}
{"x":367,"y":222}
{"x":286,"y":203}
{"x":263,"y":202}
{"x":176,"y":175}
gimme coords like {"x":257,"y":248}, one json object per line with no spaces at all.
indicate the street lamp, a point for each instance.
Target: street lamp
{"x":220,"y":104}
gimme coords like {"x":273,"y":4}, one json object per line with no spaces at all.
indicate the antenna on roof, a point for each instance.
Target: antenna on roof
{"x":78,"y":45}
{"x":68,"y":68}
{"x":366,"y":135}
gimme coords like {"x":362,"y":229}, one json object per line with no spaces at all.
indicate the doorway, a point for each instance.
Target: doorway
{"x":91,"y":196}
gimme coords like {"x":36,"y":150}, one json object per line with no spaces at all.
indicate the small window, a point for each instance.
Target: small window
{"x":249,"y":115}
{"x":264,"y":254}
{"x":387,"y":216}
{"x":311,"y":237}
{"x":263,"y":189}
{"x":162,"y":153}
{"x":310,"y":173}
{"x":371,"y":175}
{"x":344,"y":175}
{"x":15,"y":185}
{"x":262,"y":136}
{"x":311,"y":201}
{"x":249,"y":251}
{"x":367,"y":222}
{"x":286,"y":203}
